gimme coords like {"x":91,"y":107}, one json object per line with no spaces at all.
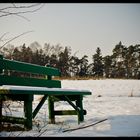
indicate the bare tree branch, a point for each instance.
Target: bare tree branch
{"x":14,"y":38}
{"x":18,"y":10}
{"x":82,"y":127}
{"x":23,"y":17}
{"x":20,"y":7}
{"x":18,"y":13}
{"x":3,"y":36}
{"x":9,"y":13}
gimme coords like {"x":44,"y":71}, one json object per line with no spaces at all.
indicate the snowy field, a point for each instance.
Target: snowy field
{"x":118,"y":101}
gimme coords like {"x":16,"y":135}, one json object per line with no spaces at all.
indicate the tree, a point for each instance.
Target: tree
{"x":63,"y":62}
{"x":97,"y":63}
{"x":83,"y":64}
{"x":16,"y":54}
{"x":35,"y":46}
{"x":53,"y":61}
{"x":118,"y":57}
{"x":78,"y":67}
{"x":107,"y":60}
{"x":74,"y":69}
{"x":7,"y":51}
{"x":47,"y":49}
{"x":132,"y":61}
{"x":137,"y":61}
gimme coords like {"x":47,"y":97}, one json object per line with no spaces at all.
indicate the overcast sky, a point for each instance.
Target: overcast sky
{"x":82,"y":26}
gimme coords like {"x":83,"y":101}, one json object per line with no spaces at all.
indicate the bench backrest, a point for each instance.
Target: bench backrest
{"x":48,"y":72}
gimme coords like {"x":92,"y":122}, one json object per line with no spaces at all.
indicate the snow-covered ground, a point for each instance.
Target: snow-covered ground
{"x":118,"y":101}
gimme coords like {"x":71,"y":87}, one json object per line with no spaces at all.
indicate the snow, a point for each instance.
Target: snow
{"x":118,"y":101}
{"x":27,"y":88}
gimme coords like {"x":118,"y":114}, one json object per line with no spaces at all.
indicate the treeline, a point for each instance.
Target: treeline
{"x":123,"y":63}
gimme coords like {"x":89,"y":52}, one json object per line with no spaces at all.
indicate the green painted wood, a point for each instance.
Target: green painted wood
{"x":27,"y":67}
{"x":1,"y":56}
{"x":50,"y":105}
{"x":28,"y":112}
{"x":80,"y":105}
{"x":51,"y":91}
{"x":49,"y":77}
{"x":51,"y":110}
{"x":14,"y":97}
{"x":75,"y":107}
{"x":67,"y":112}
{"x":54,"y":90}
{"x":71,"y":103}
{"x":72,"y":97}
{"x":12,"y":119}
{"x":21,"y":81}
{"x":39,"y":105}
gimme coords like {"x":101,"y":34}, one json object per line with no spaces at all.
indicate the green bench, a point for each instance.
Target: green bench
{"x":18,"y":82}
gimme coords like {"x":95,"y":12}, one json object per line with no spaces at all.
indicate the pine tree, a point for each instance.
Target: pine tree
{"x":97,"y":63}
{"x":107,"y":66}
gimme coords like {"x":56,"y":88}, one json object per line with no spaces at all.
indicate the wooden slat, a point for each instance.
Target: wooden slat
{"x":67,"y":112}
{"x":27,"y":67}
{"x":20,"y":81}
{"x":44,"y":91}
{"x":12,"y":119}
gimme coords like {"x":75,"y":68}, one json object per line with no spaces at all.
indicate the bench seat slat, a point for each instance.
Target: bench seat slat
{"x":41,"y":91}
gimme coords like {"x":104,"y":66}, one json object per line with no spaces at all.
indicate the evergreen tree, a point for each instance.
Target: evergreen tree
{"x":63,"y":64}
{"x":74,"y":66}
{"x":118,"y":65}
{"x":130,"y":61}
{"x":53,"y":61}
{"x":83,"y":66}
{"x":107,"y":66}
{"x":16,"y":54}
{"x":97,"y":63}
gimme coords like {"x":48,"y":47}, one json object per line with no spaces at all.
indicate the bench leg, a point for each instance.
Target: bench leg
{"x":28,"y":112}
{"x":80,"y":106}
{"x":51,"y":110}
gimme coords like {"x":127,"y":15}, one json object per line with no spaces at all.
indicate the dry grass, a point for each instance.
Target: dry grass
{"x":78,"y":78}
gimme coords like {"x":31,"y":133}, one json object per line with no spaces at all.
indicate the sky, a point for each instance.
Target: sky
{"x":81,"y":26}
